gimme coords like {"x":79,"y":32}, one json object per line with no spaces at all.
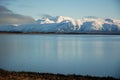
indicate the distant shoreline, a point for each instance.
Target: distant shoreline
{"x":71,"y":33}
{"x":12,"y":75}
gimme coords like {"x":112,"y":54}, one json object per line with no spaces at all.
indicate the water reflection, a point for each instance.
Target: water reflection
{"x":79,"y":54}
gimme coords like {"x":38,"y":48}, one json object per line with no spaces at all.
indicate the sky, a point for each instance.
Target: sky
{"x":72,"y":8}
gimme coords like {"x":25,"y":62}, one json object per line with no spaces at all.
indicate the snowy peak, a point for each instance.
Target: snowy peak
{"x":67,"y":24}
{"x":57,"y":19}
{"x":62,"y":19}
{"x":44,"y":21}
{"x":84,"y":24}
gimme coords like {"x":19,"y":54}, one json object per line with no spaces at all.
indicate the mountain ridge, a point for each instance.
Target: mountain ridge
{"x":60,"y":24}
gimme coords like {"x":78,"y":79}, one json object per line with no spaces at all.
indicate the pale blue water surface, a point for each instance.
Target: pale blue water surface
{"x":96,"y":55}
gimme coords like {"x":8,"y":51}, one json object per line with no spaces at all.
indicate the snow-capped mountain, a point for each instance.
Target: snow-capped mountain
{"x":66,"y":24}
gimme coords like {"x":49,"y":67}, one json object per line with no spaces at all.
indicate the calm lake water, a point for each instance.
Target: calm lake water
{"x":96,"y":55}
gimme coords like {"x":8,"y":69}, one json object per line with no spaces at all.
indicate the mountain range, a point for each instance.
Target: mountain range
{"x":60,"y":24}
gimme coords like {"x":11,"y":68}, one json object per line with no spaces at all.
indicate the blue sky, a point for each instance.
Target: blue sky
{"x":72,"y":8}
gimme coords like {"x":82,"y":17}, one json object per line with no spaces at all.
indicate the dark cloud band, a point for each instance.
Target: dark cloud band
{"x":8,"y":17}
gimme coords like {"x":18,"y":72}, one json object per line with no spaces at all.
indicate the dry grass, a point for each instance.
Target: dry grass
{"x":7,"y":75}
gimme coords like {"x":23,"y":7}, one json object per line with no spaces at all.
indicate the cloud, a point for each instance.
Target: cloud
{"x":2,"y":1}
{"x":8,"y":17}
{"x":6,"y":2}
{"x":90,"y":17}
{"x":4,"y":9}
{"x":46,"y":16}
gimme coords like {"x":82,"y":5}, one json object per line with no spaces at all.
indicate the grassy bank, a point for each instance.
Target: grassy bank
{"x":11,"y":75}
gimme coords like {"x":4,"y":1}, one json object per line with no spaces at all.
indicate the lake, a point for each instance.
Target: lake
{"x":96,"y":55}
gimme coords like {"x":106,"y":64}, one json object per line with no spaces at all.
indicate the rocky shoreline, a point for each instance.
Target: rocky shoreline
{"x":11,"y":75}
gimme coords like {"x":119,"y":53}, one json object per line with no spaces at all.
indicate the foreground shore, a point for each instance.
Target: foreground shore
{"x":11,"y":75}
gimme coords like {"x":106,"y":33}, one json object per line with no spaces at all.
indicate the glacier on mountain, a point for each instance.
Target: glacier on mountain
{"x":66,"y":25}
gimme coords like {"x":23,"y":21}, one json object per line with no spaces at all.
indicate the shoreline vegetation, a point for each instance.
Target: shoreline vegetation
{"x":72,"y":33}
{"x":12,"y":75}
